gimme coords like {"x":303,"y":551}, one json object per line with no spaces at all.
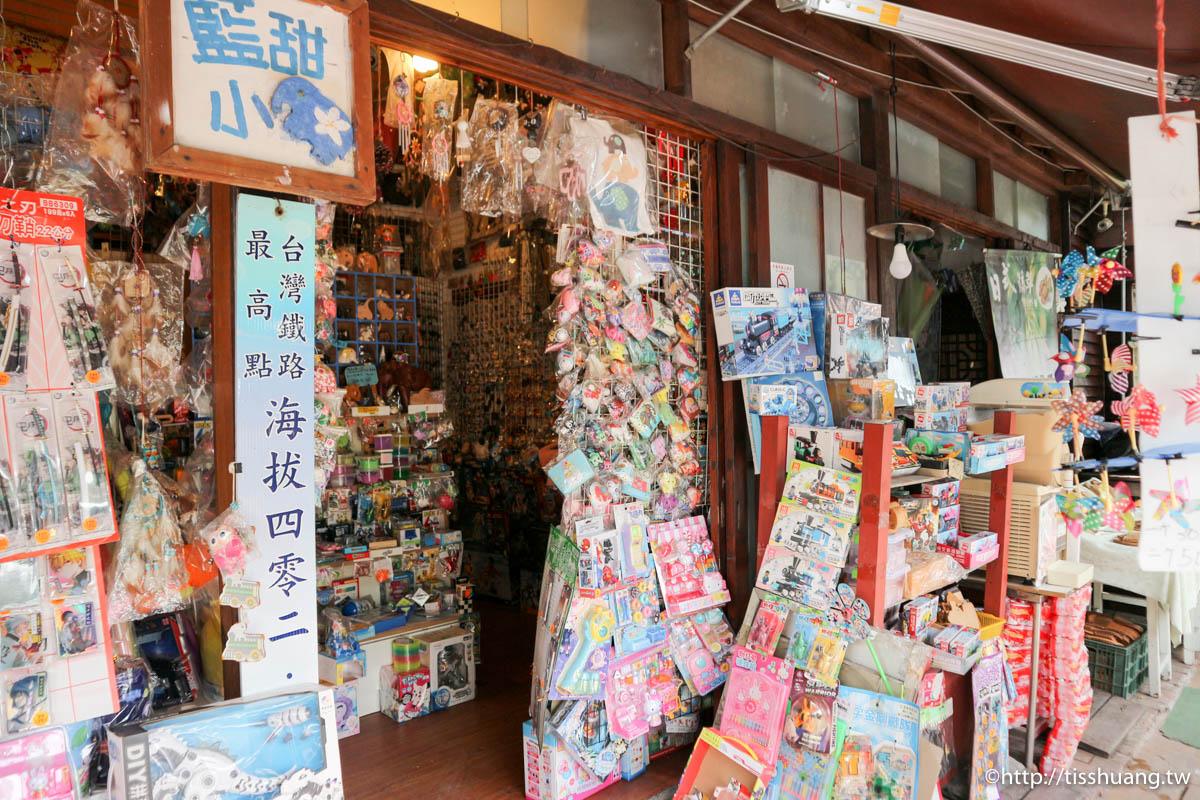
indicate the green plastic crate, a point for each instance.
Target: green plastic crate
{"x":1119,"y":670}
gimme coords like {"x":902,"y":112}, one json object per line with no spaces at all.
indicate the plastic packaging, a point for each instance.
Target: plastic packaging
{"x":37,"y":470}
{"x":149,"y":577}
{"x":94,"y":150}
{"x":437,"y":113}
{"x":81,"y":450}
{"x":615,"y":158}
{"x":230,"y":540}
{"x":141,"y":314}
{"x":16,"y":302}
{"x":492,"y":180}
{"x":66,"y":277}
{"x":559,"y":169}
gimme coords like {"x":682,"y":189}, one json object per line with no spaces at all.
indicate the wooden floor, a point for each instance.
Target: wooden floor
{"x":473,"y":751}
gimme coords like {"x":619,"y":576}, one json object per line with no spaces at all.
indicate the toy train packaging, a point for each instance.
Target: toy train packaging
{"x":763,"y":331}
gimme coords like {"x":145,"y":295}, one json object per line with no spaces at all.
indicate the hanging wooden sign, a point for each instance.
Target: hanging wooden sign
{"x":267,"y":94}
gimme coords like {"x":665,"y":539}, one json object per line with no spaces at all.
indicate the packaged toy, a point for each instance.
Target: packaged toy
{"x":755,"y":702}
{"x":584,"y":655}
{"x":879,"y":751}
{"x":756,"y":330}
{"x":720,"y":764}
{"x":283,"y":747}
{"x":863,"y":399}
{"x":230,"y":541}
{"x":552,"y":773}
{"x":582,"y":727}
{"x":797,"y":578}
{"x":809,"y":723}
{"x":768,"y":625}
{"x":640,"y":690}
{"x":345,"y":708}
{"x":449,"y":657}
{"x":816,"y":536}
{"x":686,"y":566}
{"x":822,"y":490}
{"x":149,"y":577}
{"x":856,"y":338}
{"x":803,"y":398}
{"x":700,"y":645}
{"x":37,"y":764}
{"x":404,"y":696}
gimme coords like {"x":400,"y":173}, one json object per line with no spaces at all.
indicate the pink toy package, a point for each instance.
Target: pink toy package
{"x":36,"y":765}
{"x":642,"y":689}
{"x":700,"y":646}
{"x":755,"y":702}
{"x":768,"y":625}
{"x":687,"y":568}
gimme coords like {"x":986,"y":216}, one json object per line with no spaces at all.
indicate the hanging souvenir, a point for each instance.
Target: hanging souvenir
{"x":149,"y":577}
{"x":94,"y":148}
{"x":437,"y":111}
{"x":492,"y":179}
{"x":1078,"y":417}
{"x":398,"y":110}
{"x":230,"y":541}
{"x":1139,"y":412}
{"x":614,"y":157}
{"x":1080,"y":509}
{"x":462,"y":140}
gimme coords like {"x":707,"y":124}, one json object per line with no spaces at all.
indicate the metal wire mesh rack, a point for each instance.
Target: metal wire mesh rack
{"x":394,"y":235}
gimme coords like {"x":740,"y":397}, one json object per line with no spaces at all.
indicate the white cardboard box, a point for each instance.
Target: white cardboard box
{"x":450,"y":656}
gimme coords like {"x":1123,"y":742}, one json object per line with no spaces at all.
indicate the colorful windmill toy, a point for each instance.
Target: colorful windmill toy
{"x":1079,"y":417}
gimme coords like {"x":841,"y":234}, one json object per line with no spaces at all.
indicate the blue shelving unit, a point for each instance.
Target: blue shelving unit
{"x":378,"y":334}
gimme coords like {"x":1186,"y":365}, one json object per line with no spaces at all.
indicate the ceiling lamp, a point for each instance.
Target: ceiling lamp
{"x":1000,"y":44}
{"x":900,"y":232}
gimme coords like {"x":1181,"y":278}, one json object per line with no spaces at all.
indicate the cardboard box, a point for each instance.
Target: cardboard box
{"x":177,"y":741}
{"x":403,"y":696}
{"x":1045,"y":450}
{"x":863,"y":399}
{"x":933,"y":397}
{"x":714,"y":762}
{"x":449,"y":655}
{"x":552,"y":774}
{"x":345,"y":708}
{"x":336,"y":671}
{"x":944,"y":491}
{"x":763,"y":331}
{"x":938,"y":444}
{"x":954,"y":419}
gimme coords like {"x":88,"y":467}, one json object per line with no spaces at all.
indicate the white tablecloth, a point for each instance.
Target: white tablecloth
{"x":1117,"y":565}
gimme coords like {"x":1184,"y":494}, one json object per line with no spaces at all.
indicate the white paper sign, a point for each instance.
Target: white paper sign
{"x":783,"y":276}
{"x":263,"y":79}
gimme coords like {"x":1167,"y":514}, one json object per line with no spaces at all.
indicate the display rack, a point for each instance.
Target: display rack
{"x":376,"y":335}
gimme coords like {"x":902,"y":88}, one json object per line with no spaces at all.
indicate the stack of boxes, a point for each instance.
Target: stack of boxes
{"x":941,"y":406}
{"x":945,"y":492}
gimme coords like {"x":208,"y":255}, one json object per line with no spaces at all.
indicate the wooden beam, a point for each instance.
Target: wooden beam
{"x":965,"y":219}
{"x":676,"y":34}
{"x":772,"y":474}
{"x":873,"y":518}
{"x":885,"y":187}
{"x":718,"y":516}
{"x":985,"y":188}
{"x":760,"y":220}
{"x":403,"y":25}
{"x":995,"y":591}
{"x":223,"y":233}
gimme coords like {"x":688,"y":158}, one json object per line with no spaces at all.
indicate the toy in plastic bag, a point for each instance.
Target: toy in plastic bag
{"x":230,"y":540}
{"x":397,"y":111}
{"x":66,"y":277}
{"x":614,"y":156}
{"x":94,"y":150}
{"x":149,"y":577}
{"x":437,"y":111}
{"x":16,"y":300}
{"x":560,"y":168}
{"x":141,"y":312}
{"x":492,"y":179}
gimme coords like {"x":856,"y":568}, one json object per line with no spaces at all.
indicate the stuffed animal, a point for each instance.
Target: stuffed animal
{"x":353,"y":396}
{"x":364,"y":310}
{"x":347,"y":356}
{"x":383,"y":310}
{"x":346,"y":255}
{"x":367,"y":262}
{"x":366,"y":333}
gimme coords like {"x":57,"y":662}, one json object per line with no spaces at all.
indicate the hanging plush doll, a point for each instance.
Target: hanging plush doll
{"x":398,"y":113}
{"x":230,"y":540}
{"x":150,"y":575}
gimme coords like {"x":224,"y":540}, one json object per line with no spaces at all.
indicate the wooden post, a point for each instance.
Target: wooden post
{"x":718,"y":514}
{"x":676,"y":35}
{"x":880,"y":141}
{"x":772,"y":453}
{"x":223,"y":233}
{"x":999,"y":516}
{"x":985,"y":187}
{"x":873,"y":517}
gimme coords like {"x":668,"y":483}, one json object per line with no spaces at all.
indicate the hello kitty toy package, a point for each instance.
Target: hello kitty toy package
{"x":230,"y":542}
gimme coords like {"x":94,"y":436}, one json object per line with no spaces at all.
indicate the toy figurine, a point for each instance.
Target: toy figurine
{"x":230,"y":541}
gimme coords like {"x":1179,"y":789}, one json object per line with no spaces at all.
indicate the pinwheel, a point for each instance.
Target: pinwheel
{"x":1175,"y":503}
{"x":1069,"y":359}
{"x":1191,"y":400}
{"x":1110,"y":270}
{"x":1119,"y":366}
{"x":848,"y":614}
{"x":1081,"y":510}
{"x":1068,"y":273}
{"x":1079,"y":417}
{"x":1177,"y":287}
{"x":1139,"y":411}
{"x":1119,"y":515}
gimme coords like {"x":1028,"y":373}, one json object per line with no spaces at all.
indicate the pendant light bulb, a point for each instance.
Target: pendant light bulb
{"x":901,"y":266}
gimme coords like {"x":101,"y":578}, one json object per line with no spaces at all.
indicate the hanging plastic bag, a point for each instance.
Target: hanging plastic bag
{"x":492,"y":179}
{"x":397,"y":111}
{"x":230,"y":540}
{"x":615,"y":158}
{"x":437,"y":113}
{"x":94,"y":150}
{"x":560,"y":168}
{"x":141,"y":313}
{"x":149,"y":577}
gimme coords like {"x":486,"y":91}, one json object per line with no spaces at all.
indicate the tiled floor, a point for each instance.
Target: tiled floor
{"x":1145,"y":751}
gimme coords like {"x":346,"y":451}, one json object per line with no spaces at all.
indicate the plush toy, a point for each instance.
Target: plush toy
{"x":346,"y":255}
{"x":367,"y":262}
{"x":230,"y":539}
{"x":353,"y":396}
{"x":347,"y":356}
{"x":364,"y":310}
{"x":383,"y":310}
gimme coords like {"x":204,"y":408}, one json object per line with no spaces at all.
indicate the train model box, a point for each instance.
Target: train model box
{"x":763,"y":331}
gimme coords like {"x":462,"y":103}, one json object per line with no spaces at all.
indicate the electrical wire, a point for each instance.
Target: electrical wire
{"x":845,"y":62}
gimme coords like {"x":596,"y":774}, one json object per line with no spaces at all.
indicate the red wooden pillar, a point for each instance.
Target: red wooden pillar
{"x":999,"y":515}
{"x":873,"y":517}
{"x":773,"y":457}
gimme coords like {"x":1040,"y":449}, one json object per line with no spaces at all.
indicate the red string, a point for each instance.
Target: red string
{"x":1160,"y":27}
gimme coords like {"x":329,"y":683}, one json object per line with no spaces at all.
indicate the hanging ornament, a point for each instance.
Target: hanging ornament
{"x":1191,"y":399}
{"x":1139,"y":412}
{"x":1078,"y":416}
{"x":398,"y":111}
{"x":462,"y":140}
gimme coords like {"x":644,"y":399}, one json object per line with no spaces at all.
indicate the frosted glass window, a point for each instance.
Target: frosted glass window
{"x":853,"y":227}
{"x":804,"y":111}
{"x":958,"y":176}
{"x":1033,"y":212}
{"x":732,"y":79}
{"x":919,"y":158}
{"x":624,"y":36}
{"x":795,"y":215}
{"x":1004,"y":195}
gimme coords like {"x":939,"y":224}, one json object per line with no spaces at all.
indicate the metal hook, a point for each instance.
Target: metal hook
{"x":278,"y":207}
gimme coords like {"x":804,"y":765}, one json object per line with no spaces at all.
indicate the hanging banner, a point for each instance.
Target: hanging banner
{"x":1021,"y":283}
{"x":272,"y":94}
{"x":273,"y":364}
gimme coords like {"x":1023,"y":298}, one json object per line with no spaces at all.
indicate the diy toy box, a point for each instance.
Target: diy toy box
{"x":449,"y":655}
{"x":863,"y":398}
{"x":757,"y":330}
{"x":933,"y":397}
{"x":283,"y":746}
{"x":552,"y":774}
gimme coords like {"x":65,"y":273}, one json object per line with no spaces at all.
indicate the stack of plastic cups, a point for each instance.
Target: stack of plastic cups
{"x":406,"y":655}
